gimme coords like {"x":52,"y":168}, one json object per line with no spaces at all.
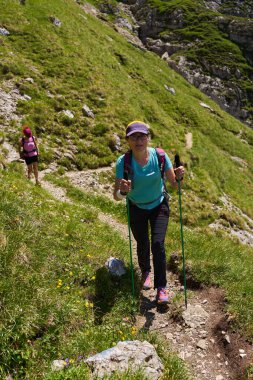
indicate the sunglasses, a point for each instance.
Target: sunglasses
{"x":136,"y":137}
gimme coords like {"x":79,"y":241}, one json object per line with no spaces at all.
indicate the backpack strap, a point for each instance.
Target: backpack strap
{"x":36,"y":149}
{"x":127,"y":171}
{"x":161,"y":160}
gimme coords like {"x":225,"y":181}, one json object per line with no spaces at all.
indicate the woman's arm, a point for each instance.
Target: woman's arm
{"x":173,"y":175}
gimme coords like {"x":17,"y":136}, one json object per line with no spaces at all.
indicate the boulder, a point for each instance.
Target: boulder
{"x":127,"y":355}
{"x":115,"y":266}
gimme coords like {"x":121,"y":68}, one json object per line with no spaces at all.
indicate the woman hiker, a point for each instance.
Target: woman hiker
{"x":147,"y":203}
{"x":28,"y":150}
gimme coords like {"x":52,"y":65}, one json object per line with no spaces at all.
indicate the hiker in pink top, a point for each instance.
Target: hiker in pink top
{"x":29,"y":152}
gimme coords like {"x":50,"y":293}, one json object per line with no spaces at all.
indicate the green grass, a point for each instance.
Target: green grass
{"x":87,"y":62}
{"x":57,"y":299}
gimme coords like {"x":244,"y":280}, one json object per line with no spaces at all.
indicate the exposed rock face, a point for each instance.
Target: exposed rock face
{"x":221,"y":83}
{"x":240,"y":32}
{"x":239,"y":8}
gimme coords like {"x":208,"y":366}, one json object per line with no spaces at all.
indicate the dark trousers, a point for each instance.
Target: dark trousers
{"x":158,"y":219}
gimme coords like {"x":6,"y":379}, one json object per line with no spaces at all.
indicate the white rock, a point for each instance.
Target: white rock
{"x":4,"y":32}
{"x":126,"y":355}
{"x":68,"y":113}
{"x":170,"y":89}
{"x":26,"y":97}
{"x":219,"y":377}
{"x":87,"y":111}
{"x":195,"y":316}
{"x":30,"y":80}
{"x":58,"y":365}
{"x":202,"y":343}
{"x":169,"y":336}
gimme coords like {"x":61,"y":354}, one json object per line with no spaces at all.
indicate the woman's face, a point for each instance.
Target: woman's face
{"x":138,"y":141}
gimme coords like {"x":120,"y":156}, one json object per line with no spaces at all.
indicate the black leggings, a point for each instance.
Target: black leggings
{"x":158,"y":218}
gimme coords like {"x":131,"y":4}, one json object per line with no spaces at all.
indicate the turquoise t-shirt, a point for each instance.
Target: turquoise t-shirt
{"x":147,"y":184}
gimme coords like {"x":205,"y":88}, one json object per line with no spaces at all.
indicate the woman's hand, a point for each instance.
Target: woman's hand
{"x":179,"y":173}
{"x":125,"y":186}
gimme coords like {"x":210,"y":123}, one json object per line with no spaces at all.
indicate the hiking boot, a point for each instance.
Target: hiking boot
{"x":146,"y":281}
{"x":162,"y":296}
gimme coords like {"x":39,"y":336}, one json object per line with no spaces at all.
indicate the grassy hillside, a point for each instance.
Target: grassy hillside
{"x":48,"y":294}
{"x":57,"y":299}
{"x":85,"y":62}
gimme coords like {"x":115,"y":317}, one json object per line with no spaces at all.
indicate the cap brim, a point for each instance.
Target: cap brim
{"x":137,"y":131}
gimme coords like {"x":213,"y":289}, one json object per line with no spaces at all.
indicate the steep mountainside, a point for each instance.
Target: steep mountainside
{"x":67,"y":72}
{"x":206,"y":42}
{"x":78,"y":76}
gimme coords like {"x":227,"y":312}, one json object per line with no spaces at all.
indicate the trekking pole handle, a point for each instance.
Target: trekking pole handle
{"x":178,"y":163}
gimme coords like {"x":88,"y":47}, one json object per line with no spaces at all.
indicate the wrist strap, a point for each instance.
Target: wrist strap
{"x":119,"y":195}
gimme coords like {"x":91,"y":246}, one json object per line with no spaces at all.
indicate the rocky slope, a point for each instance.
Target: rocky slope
{"x":211,"y":45}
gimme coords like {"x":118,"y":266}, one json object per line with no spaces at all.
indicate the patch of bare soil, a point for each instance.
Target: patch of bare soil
{"x":209,"y":346}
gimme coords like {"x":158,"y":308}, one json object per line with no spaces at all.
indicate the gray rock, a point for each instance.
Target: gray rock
{"x":4,"y":32}
{"x":55,"y":21}
{"x":128,"y":355}
{"x":68,"y":113}
{"x":170,"y":89}
{"x":58,"y":365}
{"x":202,"y":343}
{"x":30,"y":80}
{"x":195,"y":316}
{"x":87,"y":111}
{"x":115,"y":266}
{"x":124,"y":23}
{"x":204,"y":105}
{"x":117,"y":142}
{"x":26,"y":97}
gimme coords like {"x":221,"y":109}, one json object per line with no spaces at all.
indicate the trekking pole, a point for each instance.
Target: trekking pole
{"x":177,"y":164}
{"x":130,"y":246}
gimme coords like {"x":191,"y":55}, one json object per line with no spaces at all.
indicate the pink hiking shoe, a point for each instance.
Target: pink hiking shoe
{"x":162,"y":296}
{"x":146,"y":280}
